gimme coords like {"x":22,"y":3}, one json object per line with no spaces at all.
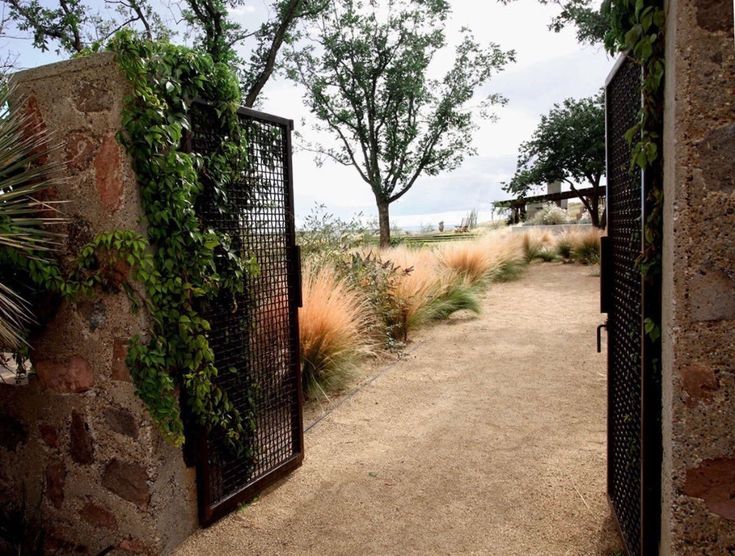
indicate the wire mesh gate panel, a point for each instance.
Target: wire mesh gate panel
{"x":633,"y":481}
{"x":254,"y":337}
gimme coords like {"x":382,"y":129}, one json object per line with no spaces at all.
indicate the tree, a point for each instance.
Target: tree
{"x":568,"y":145}
{"x":592,"y":23}
{"x":366,"y":80}
{"x":72,"y":27}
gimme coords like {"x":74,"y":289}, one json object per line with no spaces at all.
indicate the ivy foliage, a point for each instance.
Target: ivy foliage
{"x":190,"y":264}
{"x":637,"y":28}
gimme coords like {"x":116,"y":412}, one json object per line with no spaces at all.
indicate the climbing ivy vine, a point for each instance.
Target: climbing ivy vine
{"x":637,"y":28}
{"x":181,"y":265}
{"x":190,"y":264}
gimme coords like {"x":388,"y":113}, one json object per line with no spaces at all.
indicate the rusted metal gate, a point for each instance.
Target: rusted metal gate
{"x":634,"y":392}
{"x":255,"y":336}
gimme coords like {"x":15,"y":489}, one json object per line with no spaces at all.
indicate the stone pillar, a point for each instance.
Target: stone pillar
{"x":77,"y":438}
{"x":555,"y":187}
{"x":698,"y":510}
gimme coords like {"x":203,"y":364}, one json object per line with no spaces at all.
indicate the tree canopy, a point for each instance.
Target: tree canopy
{"x":366,"y":75}
{"x":76,"y":26}
{"x":568,"y":145}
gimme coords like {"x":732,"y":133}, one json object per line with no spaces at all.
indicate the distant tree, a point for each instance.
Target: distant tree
{"x":366,"y":81}
{"x":568,"y":145}
{"x":75,"y":26}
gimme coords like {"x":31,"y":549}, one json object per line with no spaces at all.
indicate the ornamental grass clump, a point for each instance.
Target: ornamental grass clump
{"x":564,"y":245}
{"x":416,"y":286}
{"x":418,"y":289}
{"x":334,"y":325}
{"x":470,"y":259}
{"x":507,"y":258}
{"x":585,"y":246}
{"x":538,"y":245}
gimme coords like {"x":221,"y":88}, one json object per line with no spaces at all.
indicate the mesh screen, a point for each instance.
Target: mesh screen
{"x":624,"y":197}
{"x":254,"y":337}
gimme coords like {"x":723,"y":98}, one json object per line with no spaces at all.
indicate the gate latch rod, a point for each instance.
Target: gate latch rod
{"x":599,"y":335}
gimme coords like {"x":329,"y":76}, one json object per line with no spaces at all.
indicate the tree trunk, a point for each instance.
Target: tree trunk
{"x":384,"y":222}
{"x":595,"y":213}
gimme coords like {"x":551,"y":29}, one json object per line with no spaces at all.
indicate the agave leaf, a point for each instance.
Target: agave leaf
{"x":26,"y":222}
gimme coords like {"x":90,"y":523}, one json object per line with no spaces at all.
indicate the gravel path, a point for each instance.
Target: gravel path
{"x":489,"y":438}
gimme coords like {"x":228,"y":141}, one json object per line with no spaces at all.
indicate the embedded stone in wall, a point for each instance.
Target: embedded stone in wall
{"x":714,"y":482}
{"x":34,"y":124}
{"x":55,"y":480}
{"x":98,"y":515}
{"x":108,"y":178}
{"x":49,"y":435}
{"x":128,"y":481}
{"x":81,"y":445}
{"x":12,"y":433}
{"x":73,"y":375}
{"x":699,"y":382}
{"x":121,"y":421}
{"x":119,"y":353}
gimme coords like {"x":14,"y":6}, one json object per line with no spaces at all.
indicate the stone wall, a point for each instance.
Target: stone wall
{"x":699,"y":280}
{"x":77,"y":438}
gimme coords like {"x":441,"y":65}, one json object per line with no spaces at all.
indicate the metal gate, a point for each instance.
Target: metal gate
{"x":255,"y":336}
{"x":634,"y":400}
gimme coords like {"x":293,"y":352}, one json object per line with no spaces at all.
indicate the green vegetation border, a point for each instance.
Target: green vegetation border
{"x":181,"y":265}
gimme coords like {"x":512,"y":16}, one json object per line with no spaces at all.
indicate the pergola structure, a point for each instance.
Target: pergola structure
{"x":518,"y":206}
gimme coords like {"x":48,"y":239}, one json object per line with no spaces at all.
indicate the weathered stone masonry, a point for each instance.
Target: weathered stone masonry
{"x":77,"y":436}
{"x":699,"y":280}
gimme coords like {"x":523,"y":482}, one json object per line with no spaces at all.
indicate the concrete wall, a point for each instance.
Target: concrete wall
{"x":699,"y":280}
{"x":77,"y":437}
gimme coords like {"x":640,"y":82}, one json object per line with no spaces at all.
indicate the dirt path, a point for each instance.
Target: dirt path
{"x":488,"y":439}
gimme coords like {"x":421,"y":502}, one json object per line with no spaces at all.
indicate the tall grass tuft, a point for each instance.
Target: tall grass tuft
{"x":538,"y":245}
{"x":564,"y":245}
{"x":472,"y":260}
{"x":586,"y":246}
{"x":507,"y":260}
{"x":455,"y":295}
{"x":334,"y":324}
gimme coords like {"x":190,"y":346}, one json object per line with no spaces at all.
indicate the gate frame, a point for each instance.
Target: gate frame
{"x":212,"y":512}
{"x":651,"y":437}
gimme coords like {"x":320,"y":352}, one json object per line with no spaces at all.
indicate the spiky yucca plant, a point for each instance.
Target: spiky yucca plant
{"x":26,"y":222}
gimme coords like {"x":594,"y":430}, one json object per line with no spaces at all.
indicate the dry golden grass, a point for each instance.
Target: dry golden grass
{"x":497,"y":255}
{"x":338,"y":322}
{"x":414,"y":290}
{"x":469,"y":259}
{"x":538,"y":245}
{"x":334,"y":324}
{"x":585,"y":245}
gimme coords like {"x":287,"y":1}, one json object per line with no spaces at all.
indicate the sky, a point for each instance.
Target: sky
{"x":549,"y":67}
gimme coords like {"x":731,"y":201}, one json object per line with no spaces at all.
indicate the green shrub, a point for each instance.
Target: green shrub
{"x":458,"y":296}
